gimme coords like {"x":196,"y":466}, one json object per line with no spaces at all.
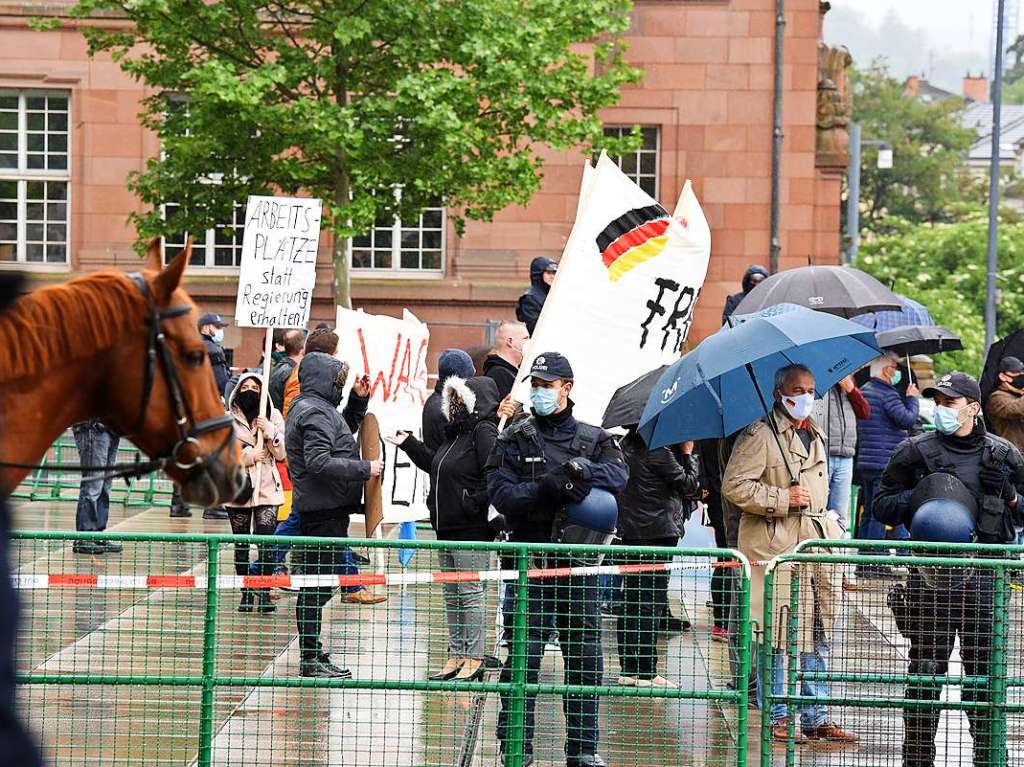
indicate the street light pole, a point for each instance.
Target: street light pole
{"x":993,"y":184}
{"x":853,"y":184}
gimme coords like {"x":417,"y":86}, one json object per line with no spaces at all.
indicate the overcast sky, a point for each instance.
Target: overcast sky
{"x":940,"y":37}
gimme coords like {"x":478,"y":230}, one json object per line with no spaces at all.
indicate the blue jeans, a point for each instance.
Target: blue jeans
{"x":96,"y":447}
{"x":290,"y":526}
{"x":869,"y":528}
{"x":813,"y":715}
{"x":840,"y":481}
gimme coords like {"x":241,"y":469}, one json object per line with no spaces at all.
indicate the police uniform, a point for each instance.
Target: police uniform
{"x":537,"y":467}
{"x":938,"y":604}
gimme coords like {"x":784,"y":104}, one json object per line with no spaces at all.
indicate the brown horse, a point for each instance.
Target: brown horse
{"x":123,"y":349}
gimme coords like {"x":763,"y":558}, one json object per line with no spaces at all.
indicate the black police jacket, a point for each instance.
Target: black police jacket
{"x":219,"y":363}
{"x":323,"y":459}
{"x":919,"y":456}
{"x":659,"y":484}
{"x":519,"y":461}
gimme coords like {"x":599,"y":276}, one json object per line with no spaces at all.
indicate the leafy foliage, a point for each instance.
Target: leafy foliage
{"x":347,"y":100}
{"x":943,"y":267}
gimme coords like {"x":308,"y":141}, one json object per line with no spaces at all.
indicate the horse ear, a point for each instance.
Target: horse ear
{"x":154,"y":255}
{"x":169,"y":278}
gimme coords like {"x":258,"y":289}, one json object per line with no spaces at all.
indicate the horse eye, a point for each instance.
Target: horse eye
{"x":195,"y":358}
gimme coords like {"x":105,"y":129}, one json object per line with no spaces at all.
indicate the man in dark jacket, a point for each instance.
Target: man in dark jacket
{"x":653,"y":510}
{"x":751,"y":278}
{"x":942,"y":603}
{"x":211,"y":327}
{"x":452,"y":362}
{"x":294,"y":342}
{"x":539,"y":465}
{"x":502,"y":364}
{"x":888,"y":424}
{"x":327,"y":484}
{"x":542,"y":274}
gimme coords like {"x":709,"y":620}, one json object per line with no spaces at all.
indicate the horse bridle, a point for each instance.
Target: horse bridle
{"x":158,"y":353}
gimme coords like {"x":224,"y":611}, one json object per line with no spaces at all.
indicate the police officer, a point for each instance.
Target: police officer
{"x":957,"y":484}
{"x":541,"y":467}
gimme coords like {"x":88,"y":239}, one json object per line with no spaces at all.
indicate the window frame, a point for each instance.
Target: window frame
{"x":22,"y":176}
{"x":636,"y":177}
{"x":207,"y":244}
{"x":396,"y":270}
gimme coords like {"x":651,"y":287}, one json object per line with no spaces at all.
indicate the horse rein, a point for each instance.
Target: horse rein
{"x":157,"y":353}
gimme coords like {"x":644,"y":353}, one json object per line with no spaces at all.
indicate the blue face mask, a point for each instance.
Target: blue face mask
{"x":947,"y":419}
{"x":218,"y":336}
{"x":896,"y":378}
{"x":543,"y":401}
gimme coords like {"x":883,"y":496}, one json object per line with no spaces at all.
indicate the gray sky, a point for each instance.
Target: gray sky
{"x":942,"y":37}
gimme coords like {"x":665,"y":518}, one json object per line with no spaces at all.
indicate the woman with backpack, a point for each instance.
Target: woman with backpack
{"x":458,"y":511}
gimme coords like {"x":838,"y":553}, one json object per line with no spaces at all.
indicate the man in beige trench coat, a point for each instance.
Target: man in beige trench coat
{"x":778,"y":512}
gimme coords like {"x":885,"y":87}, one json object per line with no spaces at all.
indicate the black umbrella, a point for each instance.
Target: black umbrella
{"x":919,"y":339}
{"x":840,"y":290}
{"x":627,"y":404}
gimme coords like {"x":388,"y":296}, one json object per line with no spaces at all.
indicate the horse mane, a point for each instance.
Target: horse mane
{"x":66,"y":322}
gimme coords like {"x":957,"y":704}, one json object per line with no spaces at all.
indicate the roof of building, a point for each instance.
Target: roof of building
{"x":979,"y":117}
{"x":931,"y":93}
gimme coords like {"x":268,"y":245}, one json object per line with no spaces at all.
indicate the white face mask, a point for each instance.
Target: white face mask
{"x":798,"y":406}
{"x":218,"y":336}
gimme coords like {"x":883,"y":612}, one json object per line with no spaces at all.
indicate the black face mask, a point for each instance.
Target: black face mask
{"x":249,"y":403}
{"x":1017,"y":382}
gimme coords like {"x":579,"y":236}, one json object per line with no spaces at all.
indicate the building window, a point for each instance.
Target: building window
{"x":219,"y":247}
{"x":403,"y":246}
{"x":34,"y":176}
{"x":642,"y":165}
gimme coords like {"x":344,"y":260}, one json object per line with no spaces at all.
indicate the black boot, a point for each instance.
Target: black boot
{"x":248,"y":596}
{"x":263,"y":603}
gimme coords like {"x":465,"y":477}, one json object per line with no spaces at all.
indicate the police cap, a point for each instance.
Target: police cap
{"x":550,"y":366}
{"x":955,"y":385}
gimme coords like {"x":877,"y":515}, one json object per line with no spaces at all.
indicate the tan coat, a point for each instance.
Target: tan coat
{"x":757,"y":482}
{"x":270,"y":492}
{"x":1006,"y":411}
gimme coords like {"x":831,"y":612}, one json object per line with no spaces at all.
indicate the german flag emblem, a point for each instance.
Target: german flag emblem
{"x":633,"y":238}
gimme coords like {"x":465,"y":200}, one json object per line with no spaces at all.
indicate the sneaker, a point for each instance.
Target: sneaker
{"x":658,"y":681}
{"x":780,"y":732}
{"x":216,"y":513}
{"x":88,"y":547}
{"x":318,"y":668}
{"x":830,"y":731}
{"x":719,"y":634}
{"x":364,"y":597}
{"x":626,"y":681}
{"x":111,"y":547}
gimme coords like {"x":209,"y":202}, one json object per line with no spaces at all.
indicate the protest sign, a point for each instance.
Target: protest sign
{"x":278,"y":268}
{"x":393,"y":353}
{"x":627,"y":285}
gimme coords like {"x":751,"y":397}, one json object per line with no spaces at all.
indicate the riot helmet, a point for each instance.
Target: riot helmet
{"x":943,"y":510}
{"x":591,"y":521}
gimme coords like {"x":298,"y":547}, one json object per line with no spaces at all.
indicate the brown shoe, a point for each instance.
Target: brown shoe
{"x":780,"y":732}
{"x":364,"y":597}
{"x":831,"y":732}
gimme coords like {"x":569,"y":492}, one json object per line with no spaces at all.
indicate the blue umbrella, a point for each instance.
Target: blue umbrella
{"x":406,"y":532}
{"x":727,"y":382}
{"x":912,"y":313}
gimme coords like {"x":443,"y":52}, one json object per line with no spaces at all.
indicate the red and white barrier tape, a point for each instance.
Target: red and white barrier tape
{"x":94,"y":581}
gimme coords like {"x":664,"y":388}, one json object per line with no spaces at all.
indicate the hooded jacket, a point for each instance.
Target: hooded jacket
{"x":270,"y":492}
{"x":659,"y":484}
{"x":502,"y":372}
{"x":458,"y":485}
{"x":734,"y":300}
{"x":532,"y":301}
{"x":323,"y":458}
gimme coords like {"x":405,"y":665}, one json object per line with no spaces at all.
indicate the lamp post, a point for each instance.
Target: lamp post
{"x":884,"y":162}
{"x":993,"y":184}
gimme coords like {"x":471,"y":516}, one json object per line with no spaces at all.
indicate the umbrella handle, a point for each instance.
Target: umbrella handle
{"x":771,"y":424}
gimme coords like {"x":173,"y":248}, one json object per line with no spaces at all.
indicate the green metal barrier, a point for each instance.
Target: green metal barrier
{"x":52,"y":482}
{"x":925,"y":665}
{"x":142,"y":656}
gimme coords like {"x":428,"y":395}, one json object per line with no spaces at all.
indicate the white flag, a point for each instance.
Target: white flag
{"x":627,"y":285}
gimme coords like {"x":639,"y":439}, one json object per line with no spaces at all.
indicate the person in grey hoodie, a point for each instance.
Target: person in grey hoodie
{"x":327,"y":484}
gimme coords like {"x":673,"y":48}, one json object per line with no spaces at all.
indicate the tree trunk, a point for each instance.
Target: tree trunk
{"x":342,"y":192}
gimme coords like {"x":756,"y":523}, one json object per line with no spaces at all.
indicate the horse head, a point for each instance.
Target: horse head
{"x":165,"y":398}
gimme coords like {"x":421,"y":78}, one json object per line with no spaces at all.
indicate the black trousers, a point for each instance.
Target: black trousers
{"x":316,"y":560}
{"x":644,"y":600}
{"x":936,"y":617}
{"x":574,"y":603}
{"x":258,"y":520}
{"x":721,"y":579}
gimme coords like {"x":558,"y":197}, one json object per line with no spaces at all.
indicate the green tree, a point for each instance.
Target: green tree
{"x":927,"y":181}
{"x":350,"y":101}
{"x":943,"y":267}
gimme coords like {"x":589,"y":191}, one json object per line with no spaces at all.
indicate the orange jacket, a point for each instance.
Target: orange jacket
{"x":291,"y":390}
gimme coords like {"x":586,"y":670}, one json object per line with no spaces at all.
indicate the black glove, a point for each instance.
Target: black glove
{"x":994,"y":481}
{"x":577,"y":490}
{"x":551,"y":487}
{"x":499,"y":524}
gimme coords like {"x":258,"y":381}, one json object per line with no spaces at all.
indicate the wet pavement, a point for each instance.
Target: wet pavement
{"x":160,"y":632}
